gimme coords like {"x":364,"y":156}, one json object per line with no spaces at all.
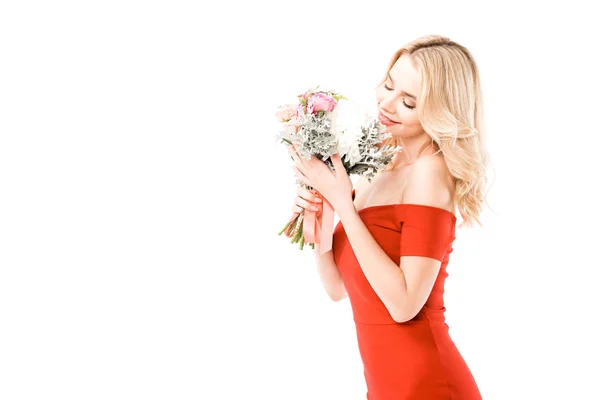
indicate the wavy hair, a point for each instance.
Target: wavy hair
{"x":450,"y":111}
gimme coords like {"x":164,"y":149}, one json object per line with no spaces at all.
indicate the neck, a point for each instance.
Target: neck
{"x":412,"y":148}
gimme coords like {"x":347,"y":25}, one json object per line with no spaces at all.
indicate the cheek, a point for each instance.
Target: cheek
{"x":411,"y":121}
{"x":379,"y":94}
{"x":411,"y":118}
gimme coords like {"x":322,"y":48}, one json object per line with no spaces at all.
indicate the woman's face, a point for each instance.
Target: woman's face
{"x":396,"y":100}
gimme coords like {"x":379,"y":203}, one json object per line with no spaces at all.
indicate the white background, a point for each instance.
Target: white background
{"x":141,"y":190}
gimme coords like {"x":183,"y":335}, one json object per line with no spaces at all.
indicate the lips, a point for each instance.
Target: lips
{"x":386,"y":121}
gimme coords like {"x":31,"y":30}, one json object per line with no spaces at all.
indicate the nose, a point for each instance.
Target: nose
{"x":387,"y":103}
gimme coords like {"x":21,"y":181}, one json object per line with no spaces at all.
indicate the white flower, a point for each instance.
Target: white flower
{"x":290,"y":127}
{"x":347,"y":121}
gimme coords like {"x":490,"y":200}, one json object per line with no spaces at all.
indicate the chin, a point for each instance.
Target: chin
{"x":396,"y":130}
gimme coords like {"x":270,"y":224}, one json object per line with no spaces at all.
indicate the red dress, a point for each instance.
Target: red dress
{"x":416,"y":359}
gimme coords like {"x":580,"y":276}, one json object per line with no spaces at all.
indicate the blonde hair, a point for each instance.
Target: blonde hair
{"x":450,"y":110}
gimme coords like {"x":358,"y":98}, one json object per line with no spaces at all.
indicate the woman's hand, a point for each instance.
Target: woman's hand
{"x":307,"y":200}
{"x":336,"y":186}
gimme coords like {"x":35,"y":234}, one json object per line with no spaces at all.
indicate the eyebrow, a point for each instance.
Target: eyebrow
{"x":412,"y":96}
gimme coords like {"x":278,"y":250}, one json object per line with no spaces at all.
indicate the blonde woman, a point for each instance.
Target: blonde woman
{"x":392,"y":243}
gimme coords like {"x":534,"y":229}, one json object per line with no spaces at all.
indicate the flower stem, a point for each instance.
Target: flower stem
{"x":284,"y":228}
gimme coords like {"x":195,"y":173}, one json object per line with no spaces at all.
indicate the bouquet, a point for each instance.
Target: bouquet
{"x":321,"y":124}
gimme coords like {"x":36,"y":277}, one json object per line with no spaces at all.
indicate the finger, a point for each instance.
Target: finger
{"x":308,"y":195}
{"x":297,"y":158}
{"x":301,"y":176}
{"x":305,"y":163}
{"x":336,"y":160}
{"x":307,"y":205}
{"x":298,"y":169}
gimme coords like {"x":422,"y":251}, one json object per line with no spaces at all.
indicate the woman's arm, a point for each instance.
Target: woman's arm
{"x":403,"y":288}
{"x":330,"y":275}
{"x":328,"y":270}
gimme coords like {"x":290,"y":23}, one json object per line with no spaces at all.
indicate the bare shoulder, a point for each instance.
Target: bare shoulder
{"x":430,"y":183}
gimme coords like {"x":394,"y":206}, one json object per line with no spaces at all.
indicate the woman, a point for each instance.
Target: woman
{"x":392,"y":243}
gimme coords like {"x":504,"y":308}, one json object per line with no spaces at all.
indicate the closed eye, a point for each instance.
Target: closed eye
{"x":403,"y":102}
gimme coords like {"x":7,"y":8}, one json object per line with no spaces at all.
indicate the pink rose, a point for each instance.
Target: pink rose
{"x":321,"y":102}
{"x":299,"y":110}
{"x":285,"y":113}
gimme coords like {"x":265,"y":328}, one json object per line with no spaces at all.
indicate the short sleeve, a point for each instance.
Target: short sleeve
{"x":426,"y":231}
